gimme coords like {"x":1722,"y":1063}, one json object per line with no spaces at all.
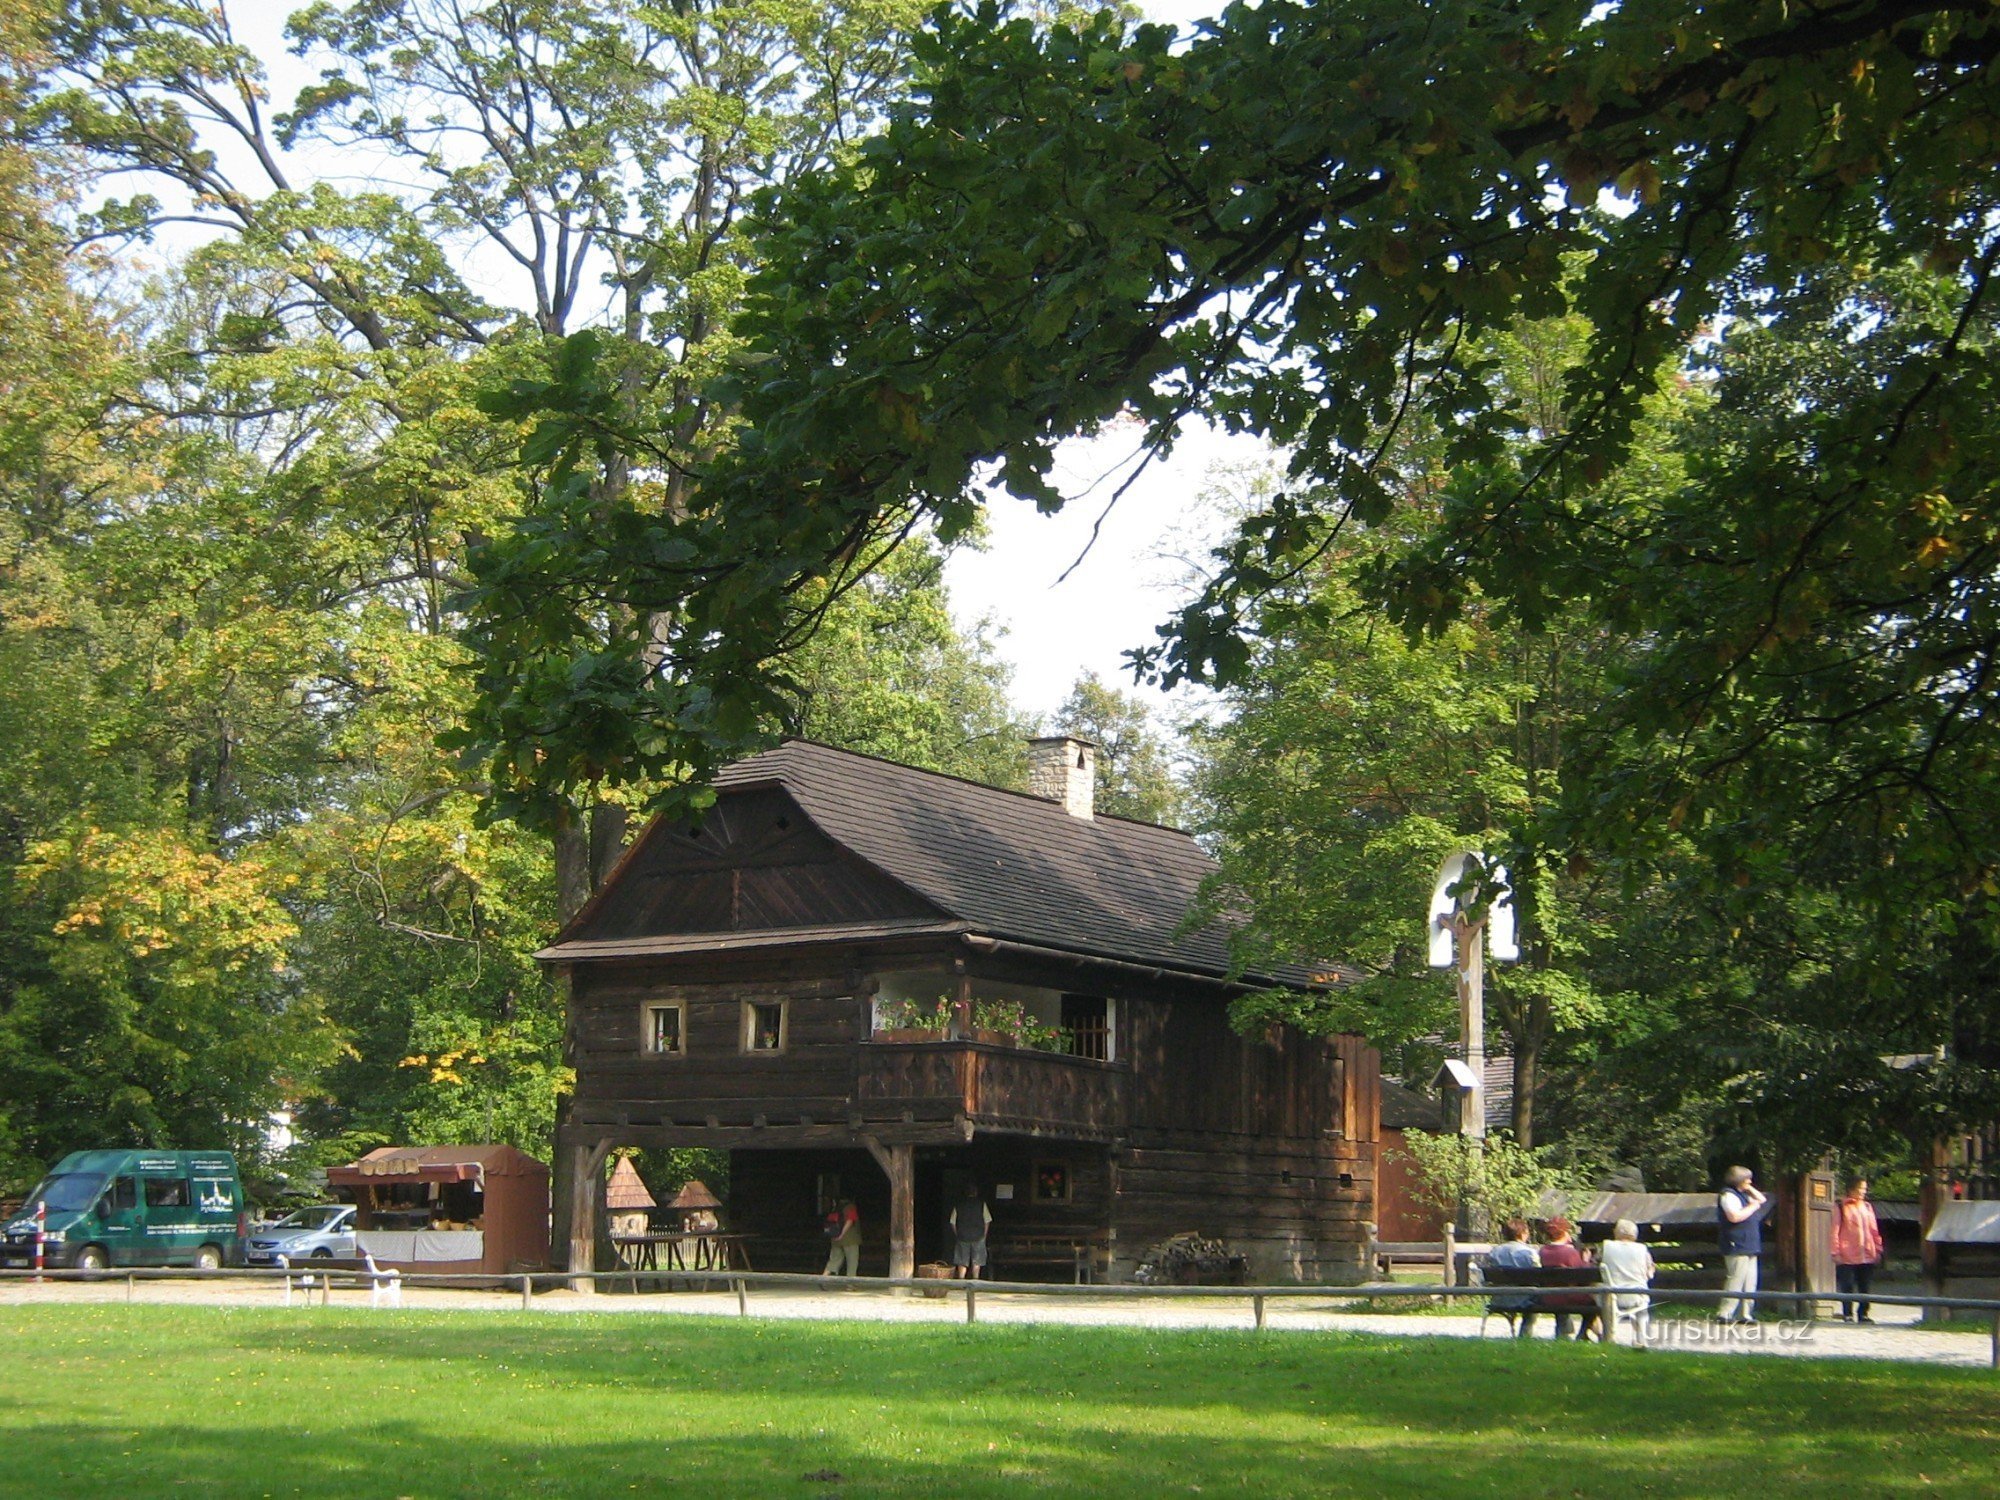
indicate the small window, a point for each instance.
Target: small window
{"x":663,"y":1029}
{"x":1051,"y":1182}
{"x":763,"y":1026}
{"x":166,"y":1192}
{"x":122,"y":1196}
{"x":1086,"y":1025}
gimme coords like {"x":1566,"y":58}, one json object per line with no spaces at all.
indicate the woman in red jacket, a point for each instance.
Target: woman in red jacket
{"x":1857,"y":1249}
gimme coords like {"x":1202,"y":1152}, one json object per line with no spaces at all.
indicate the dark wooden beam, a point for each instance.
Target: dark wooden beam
{"x":898,"y":1163}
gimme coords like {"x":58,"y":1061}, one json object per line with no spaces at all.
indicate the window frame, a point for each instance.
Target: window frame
{"x":747,"y":1034}
{"x":647,"y":1009}
{"x":1051,"y":1164}
{"x":1110,"y":1025}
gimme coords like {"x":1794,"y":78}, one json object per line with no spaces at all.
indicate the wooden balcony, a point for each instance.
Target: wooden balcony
{"x":1015,"y":1090}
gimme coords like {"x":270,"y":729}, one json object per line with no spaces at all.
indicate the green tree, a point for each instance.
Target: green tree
{"x":306,"y":388}
{"x":1060,"y":229}
{"x":889,"y":673}
{"x":1351,"y":761}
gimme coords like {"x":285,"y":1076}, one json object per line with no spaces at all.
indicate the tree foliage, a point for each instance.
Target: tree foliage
{"x":238,"y":873}
{"x":1286,"y":224}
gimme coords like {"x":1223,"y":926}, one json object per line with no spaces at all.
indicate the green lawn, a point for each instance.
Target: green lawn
{"x":161,"y":1400}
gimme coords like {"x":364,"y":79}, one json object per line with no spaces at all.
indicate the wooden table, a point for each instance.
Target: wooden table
{"x":684,"y":1250}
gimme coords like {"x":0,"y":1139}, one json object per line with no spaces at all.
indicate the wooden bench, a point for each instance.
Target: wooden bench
{"x":384,"y":1287}
{"x":1534,"y":1276}
{"x":1087,"y":1253}
{"x":1386,"y":1255}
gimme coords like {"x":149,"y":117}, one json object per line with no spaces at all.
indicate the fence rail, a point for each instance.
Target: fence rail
{"x":1259,"y":1297}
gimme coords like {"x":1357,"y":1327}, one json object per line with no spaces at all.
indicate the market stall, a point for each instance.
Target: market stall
{"x":449,"y":1210}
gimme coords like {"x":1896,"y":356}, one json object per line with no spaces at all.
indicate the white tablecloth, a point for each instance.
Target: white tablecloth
{"x":414,"y":1247}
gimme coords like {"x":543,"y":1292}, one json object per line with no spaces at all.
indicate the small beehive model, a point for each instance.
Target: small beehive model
{"x":627,"y":1199}
{"x":697,"y":1206}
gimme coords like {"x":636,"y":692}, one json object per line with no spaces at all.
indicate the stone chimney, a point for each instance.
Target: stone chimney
{"x":1063,"y":769}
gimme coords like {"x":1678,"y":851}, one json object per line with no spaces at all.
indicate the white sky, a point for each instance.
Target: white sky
{"x":1137,"y":571}
{"x":1048,"y":629}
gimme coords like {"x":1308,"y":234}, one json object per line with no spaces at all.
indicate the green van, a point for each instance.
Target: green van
{"x":133,"y":1208}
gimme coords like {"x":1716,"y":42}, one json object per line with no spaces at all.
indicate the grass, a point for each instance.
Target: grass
{"x":156,"y":1400}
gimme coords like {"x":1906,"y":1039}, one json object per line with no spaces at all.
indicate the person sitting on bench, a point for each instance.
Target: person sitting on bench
{"x":1514,"y":1253}
{"x":1573,"y":1310}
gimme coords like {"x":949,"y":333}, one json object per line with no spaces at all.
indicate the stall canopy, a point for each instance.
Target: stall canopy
{"x":436,"y":1164}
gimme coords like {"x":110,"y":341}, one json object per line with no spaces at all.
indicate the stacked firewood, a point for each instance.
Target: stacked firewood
{"x":1191,"y":1259}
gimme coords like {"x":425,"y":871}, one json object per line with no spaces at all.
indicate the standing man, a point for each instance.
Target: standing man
{"x":969,"y":1223}
{"x":843,"y":1229}
{"x":1857,"y":1248}
{"x":1739,"y":1215}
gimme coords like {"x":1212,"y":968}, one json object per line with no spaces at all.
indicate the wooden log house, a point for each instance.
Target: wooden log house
{"x":730,"y":984}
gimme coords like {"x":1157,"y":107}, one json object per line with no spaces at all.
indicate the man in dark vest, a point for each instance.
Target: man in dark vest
{"x":1739,"y":1215}
{"x":968,"y":1228}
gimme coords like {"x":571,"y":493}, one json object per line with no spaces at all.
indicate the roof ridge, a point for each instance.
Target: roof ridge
{"x":984,"y":786}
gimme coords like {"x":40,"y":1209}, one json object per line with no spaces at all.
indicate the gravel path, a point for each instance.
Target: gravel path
{"x":1896,"y":1335}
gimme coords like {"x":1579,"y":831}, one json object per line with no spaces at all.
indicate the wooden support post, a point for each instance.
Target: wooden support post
{"x":1257,"y":1305}
{"x":971,"y":1302}
{"x":1996,"y":1341}
{"x":586,"y":1198}
{"x":131,"y":1282}
{"x":898,"y":1163}
{"x":742,"y":1300}
{"x":527,"y":1293}
{"x":1450,"y":1255}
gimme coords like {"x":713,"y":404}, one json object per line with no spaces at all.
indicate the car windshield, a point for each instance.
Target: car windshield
{"x":311,"y":1218}
{"x":66,"y":1192}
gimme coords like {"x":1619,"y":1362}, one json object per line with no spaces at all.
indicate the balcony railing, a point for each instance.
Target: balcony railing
{"x":1013,"y":1089}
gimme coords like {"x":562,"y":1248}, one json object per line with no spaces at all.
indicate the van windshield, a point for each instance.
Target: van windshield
{"x":311,"y":1218}
{"x":67,"y":1192}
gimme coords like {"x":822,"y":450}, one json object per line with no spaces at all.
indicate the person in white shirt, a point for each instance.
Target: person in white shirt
{"x":1515,"y":1254}
{"x":1624,"y":1262}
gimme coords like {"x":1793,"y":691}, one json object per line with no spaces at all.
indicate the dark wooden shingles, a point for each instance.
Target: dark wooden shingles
{"x":1010,"y":864}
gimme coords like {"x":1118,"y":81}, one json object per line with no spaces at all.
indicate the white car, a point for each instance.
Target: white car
{"x":322,"y":1231}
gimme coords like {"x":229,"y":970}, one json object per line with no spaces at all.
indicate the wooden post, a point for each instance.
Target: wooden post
{"x":1471,"y":977}
{"x":527,"y":1293}
{"x":586,"y":1195}
{"x":971,"y":1302}
{"x":898,"y":1164}
{"x":1257,"y":1305}
{"x":1996,"y":1341}
{"x":1450,"y":1255}
{"x":742,"y":1300}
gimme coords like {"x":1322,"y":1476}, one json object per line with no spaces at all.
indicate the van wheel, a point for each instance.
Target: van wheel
{"x":93,"y":1258}
{"x":208,"y":1258}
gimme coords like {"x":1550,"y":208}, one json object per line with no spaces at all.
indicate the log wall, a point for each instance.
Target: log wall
{"x":1266,"y":1142}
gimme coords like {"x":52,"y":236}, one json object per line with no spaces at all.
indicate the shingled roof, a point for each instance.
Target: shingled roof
{"x":1007,"y":864}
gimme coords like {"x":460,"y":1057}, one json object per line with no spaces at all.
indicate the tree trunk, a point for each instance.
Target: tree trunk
{"x":1527,"y":1075}
{"x":607,"y":841}
{"x":572,"y":840}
